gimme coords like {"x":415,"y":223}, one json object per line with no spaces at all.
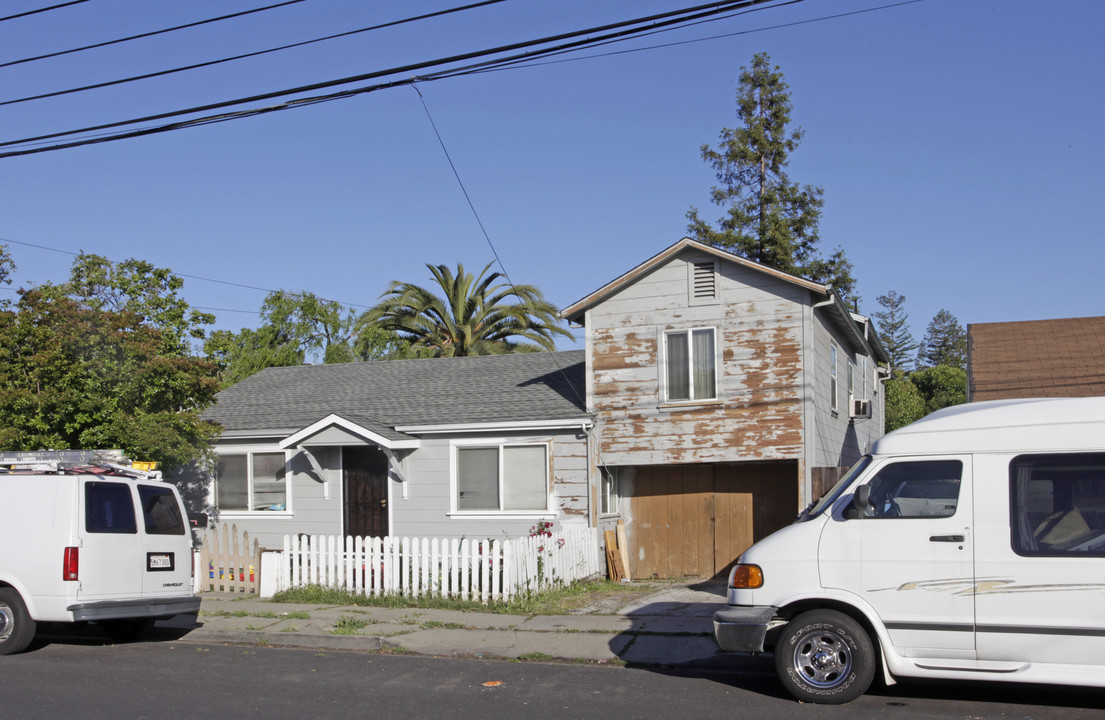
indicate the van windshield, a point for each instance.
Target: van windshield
{"x":830,"y":497}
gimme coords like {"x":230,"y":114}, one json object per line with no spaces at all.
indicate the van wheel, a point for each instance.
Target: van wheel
{"x":17,"y":629}
{"x":824,"y":656}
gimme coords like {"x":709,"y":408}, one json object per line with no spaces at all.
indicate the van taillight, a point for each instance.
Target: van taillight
{"x":71,"y":565}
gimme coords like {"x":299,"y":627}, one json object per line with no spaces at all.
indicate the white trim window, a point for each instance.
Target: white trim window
{"x":691,"y":358}
{"x":501,"y":478}
{"x":252,"y":482}
{"x":610,"y":491}
{"x":834,"y":389}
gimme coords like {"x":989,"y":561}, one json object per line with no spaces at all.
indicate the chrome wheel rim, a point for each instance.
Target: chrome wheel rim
{"x":6,"y":622}
{"x":822,"y":659}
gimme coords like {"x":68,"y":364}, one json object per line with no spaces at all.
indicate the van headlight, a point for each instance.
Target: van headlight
{"x":746,"y":577}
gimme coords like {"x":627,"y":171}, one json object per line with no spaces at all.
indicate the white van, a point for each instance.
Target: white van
{"x":108,"y":543}
{"x":968,"y":545}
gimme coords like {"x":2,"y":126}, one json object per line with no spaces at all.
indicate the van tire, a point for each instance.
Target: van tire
{"x":824,"y":656}
{"x":17,"y":629}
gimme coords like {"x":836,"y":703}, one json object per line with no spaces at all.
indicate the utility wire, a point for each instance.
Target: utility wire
{"x":475,"y":214}
{"x":620,"y":29}
{"x":738,"y":33}
{"x":147,"y":34}
{"x":243,"y":56}
{"x":6,"y":241}
{"x":42,"y":10}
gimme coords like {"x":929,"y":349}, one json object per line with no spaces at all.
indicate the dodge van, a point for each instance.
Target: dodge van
{"x":84,"y":538}
{"x":967,"y":545}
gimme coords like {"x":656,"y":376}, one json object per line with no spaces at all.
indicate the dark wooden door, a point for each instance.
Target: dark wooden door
{"x":365,"y":484}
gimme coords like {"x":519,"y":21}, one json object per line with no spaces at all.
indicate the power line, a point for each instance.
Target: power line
{"x":42,"y":10}
{"x":738,"y":33}
{"x":7,"y":241}
{"x":622,"y":29}
{"x":209,"y":63}
{"x":147,"y":34}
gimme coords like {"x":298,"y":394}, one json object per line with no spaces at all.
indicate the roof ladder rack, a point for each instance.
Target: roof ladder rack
{"x":60,"y":461}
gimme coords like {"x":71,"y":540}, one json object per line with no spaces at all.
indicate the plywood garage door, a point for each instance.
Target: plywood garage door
{"x":695,"y":520}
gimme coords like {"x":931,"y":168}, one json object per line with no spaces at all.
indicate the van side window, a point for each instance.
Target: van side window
{"x":915,"y":490}
{"x":160,"y":510}
{"x":1058,"y":504}
{"x":108,"y":508}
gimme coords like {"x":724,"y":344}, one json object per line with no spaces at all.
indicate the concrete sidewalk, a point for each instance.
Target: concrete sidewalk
{"x":672,"y":627}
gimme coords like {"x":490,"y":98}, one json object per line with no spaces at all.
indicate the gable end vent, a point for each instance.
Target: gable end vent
{"x":705,"y":280}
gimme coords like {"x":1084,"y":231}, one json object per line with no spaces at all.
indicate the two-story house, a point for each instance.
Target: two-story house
{"x":725,"y":396}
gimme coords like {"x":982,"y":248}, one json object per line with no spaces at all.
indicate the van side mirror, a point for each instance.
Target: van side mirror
{"x":861,"y":500}
{"x":197,"y":520}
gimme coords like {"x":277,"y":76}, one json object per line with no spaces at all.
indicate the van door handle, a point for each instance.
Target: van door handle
{"x":947,"y":538}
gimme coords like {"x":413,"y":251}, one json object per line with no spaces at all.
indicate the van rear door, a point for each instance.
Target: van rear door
{"x":109,"y":566}
{"x":910,"y":554}
{"x":166,"y":542}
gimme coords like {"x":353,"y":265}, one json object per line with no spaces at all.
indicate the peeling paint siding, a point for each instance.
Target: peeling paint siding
{"x":758,"y":415}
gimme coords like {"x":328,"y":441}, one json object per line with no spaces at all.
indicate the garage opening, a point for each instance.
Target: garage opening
{"x":696,"y":520}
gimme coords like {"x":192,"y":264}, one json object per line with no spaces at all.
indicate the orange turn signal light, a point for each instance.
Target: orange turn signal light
{"x":746,"y":577}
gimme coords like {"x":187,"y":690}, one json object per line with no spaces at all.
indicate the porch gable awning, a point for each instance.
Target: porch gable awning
{"x":342,"y":431}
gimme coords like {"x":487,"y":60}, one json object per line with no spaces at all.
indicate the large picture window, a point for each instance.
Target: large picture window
{"x":251,"y":482}
{"x":502,"y":478}
{"x":691,"y":365}
{"x":1058,"y":504}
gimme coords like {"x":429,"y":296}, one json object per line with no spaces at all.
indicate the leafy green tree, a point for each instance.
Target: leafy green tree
{"x":944,"y":343}
{"x":476,"y":315}
{"x":769,"y":218}
{"x":78,"y":377}
{"x":241,"y":354}
{"x":376,"y":343}
{"x":136,"y":286}
{"x":904,"y":403}
{"x":893,"y":328}
{"x":295,"y":328}
{"x":323,"y":329}
{"x":940,"y":386}
{"x":7,"y":266}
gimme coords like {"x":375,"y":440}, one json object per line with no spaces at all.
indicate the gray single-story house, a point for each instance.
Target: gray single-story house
{"x":478,"y":447}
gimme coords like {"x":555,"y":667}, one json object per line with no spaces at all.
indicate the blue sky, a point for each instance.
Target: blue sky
{"x":959,"y":144}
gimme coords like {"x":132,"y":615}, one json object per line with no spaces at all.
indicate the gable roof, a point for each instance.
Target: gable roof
{"x":856,"y":328}
{"x":1036,"y":358}
{"x":389,"y":400}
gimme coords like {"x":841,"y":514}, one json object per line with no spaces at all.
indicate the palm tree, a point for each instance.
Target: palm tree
{"x":476,"y":316}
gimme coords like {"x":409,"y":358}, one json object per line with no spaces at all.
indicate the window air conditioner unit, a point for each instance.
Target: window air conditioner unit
{"x":860,"y":408}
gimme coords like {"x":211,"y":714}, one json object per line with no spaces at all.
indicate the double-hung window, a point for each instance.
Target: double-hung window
{"x":834,"y":390}
{"x":251,"y":482}
{"x":691,"y":358}
{"x":502,"y":478}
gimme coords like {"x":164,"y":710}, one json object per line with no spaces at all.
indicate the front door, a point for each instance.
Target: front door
{"x":910,"y":555}
{"x":365,"y":486}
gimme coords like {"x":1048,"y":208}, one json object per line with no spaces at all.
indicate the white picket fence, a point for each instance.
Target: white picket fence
{"x":497,"y":569}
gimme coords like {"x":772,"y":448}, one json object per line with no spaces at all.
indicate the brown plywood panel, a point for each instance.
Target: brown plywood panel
{"x":734,"y":528}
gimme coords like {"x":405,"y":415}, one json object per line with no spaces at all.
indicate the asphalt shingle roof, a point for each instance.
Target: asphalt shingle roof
{"x":386,"y":394}
{"x":1037,"y":358}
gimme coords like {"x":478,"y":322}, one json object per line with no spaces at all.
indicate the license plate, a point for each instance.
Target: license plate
{"x":160,"y":562}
